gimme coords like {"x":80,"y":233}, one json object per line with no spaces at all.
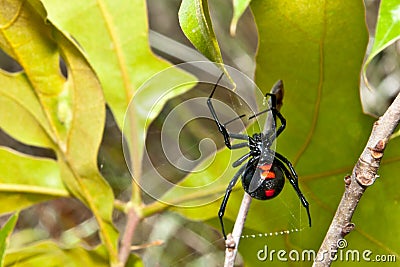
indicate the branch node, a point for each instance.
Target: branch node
{"x":365,"y":181}
{"x":230,"y":242}
{"x":347,"y":181}
{"x":377,"y":150}
{"x":365,"y":173}
{"x":347,"y":228}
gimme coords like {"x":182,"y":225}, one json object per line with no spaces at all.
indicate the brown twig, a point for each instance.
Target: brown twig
{"x":364,"y":175}
{"x":126,"y":242}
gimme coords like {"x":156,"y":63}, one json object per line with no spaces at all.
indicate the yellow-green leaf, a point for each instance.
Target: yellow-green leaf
{"x":48,"y":253}
{"x":22,"y":31}
{"x":387,"y":29}
{"x":20,"y":110}
{"x":27,"y":180}
{"x":5,"y":233}
{"x":239,"y":6}
{"x":73,"y":107}
{"x":195,"y":22}
{"x":115,"y":39}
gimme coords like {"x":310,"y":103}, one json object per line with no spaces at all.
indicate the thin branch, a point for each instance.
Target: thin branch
{"x":364,"y":175}
{"x":126,"y":242}
{"x":232,"y":241}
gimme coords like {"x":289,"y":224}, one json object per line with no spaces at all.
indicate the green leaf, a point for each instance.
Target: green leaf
{"x":48,"y":253}
{"x":115,"y":39}
{"x":20,"y":110}
{"x":89,"y":186}
{"x":18,"y":41}
{"x":387,"y":28}
{"x":73,"y":107}
{"x":195,"y":22}
{"x":5,"y":233}
{"x":239,"y":6}
{"x":27,"y":180}
{"x":79,"y":163}
{"x":311,"y":56}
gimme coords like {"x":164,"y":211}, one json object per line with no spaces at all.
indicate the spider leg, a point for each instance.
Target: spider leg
{"x":248,"y":144}
{"x":275,"y":113}
{"x":220,"y":126}
{"x":240,"y":145}
{"x":228,"y":191}
{"x":239,"y":136}
{"x":234,"y":119}
{"x":291,"y":175}
{"x":242,"y":159}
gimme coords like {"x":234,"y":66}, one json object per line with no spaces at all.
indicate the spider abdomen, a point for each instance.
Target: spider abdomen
{"x":263,"y":181}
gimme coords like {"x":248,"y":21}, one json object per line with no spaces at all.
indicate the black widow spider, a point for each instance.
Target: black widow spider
{"x":266,"y":166}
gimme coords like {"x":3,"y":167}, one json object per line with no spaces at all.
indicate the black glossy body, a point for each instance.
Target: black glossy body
{"x":271,"y":179}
